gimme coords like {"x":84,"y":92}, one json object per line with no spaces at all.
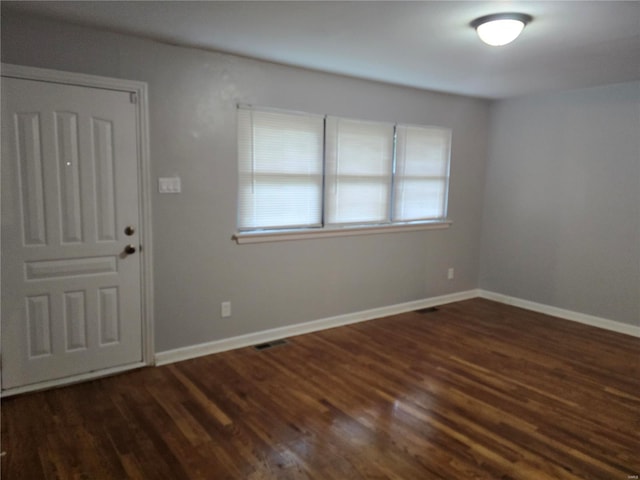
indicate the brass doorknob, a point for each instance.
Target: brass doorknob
{"x":129,"y":249}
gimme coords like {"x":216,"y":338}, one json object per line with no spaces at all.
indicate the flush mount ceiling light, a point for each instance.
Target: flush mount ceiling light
{"x":500,"y":28}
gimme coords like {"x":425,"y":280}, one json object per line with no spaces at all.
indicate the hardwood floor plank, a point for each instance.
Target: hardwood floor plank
{"x":475,"y":389}
{"x":211,"y":407}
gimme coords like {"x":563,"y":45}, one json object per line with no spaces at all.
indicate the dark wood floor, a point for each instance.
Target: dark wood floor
{"x":474,"y":390}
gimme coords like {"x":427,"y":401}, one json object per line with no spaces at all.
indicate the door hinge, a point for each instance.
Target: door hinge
{"x":133,"y":97}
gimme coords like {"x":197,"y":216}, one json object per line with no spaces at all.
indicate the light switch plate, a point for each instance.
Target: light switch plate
{"x":169,"y":185}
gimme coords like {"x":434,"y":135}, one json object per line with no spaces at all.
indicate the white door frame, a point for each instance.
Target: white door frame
{"x":139,"y":90}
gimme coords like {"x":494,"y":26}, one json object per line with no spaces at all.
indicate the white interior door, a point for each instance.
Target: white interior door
{"x":71,"y":294}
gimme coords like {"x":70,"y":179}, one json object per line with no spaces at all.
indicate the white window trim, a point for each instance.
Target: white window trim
{"x":341,"y":230}
{"x":266,"y":236}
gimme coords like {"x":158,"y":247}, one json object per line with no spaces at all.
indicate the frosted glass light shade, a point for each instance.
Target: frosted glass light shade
{"x":500,"y":29}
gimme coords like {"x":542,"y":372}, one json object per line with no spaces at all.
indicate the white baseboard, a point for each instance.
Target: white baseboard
{"x":185,"y":353}
{"x":241,"y":341}
{"x":605,"y":323}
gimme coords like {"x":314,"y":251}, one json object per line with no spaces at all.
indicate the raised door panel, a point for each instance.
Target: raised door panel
{"x":29,"y":159}
{"x":68,"y":162}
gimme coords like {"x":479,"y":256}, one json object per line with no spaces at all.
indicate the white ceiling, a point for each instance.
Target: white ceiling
{"x":430,"y":45}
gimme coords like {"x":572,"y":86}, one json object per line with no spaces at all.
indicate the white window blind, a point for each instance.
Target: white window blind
{"x":421,"y":178}
{"x":280,"y":169}
{"x":309,"y":172}
{"x":359,"y":161}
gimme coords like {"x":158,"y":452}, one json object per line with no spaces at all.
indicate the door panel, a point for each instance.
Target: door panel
{"x":71,"y":296}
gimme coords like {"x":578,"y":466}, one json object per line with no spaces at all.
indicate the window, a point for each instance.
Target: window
{"x":303,"y":172}
{"x":421,"y":175}
{"x":359,"y":158}
{"x":280,"y":164}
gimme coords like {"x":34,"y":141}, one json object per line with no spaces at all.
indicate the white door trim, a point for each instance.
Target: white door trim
{"x":139,"y":89}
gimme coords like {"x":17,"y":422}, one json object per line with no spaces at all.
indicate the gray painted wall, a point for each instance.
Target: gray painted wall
{"x":561,"y":194}
{"x":192,"y":100}
{"x":561,"y":219}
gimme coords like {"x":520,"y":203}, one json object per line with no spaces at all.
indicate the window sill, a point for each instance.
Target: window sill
{"x":284,"y":235}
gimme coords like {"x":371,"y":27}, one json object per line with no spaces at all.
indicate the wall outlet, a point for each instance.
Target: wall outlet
{"x":225,"y":309}
{"x":450,"y":274}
